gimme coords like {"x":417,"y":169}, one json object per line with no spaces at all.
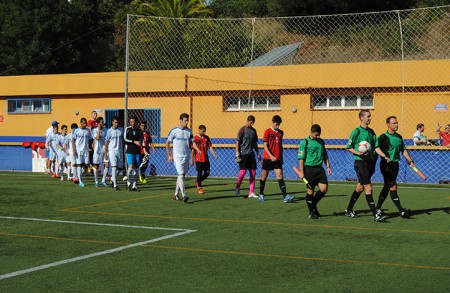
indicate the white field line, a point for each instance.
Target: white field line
{"x":109,"y":251}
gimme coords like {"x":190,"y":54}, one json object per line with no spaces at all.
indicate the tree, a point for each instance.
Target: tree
{"x":171,"y":8}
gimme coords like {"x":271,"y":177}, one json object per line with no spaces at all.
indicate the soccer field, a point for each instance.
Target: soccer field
{"x":58,"y":237}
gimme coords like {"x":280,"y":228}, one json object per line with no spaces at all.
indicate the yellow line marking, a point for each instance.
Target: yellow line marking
{"x":63,"y":238}
{"x":262,"y":222}
{"x":234,"y":252}
{"x":298,"y":257}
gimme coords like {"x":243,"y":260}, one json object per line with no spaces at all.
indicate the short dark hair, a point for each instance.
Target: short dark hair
{"x":93,"y":111}
{"x":73,"y":126}
{"x":420,"y":125}
{"x":133,"y":117}
{"x":202,"y":127}
{"x":115,"y":118}
{"x":64,"y":126}
{"x":362,"y":113}
{"x":184,"y":115}
{"x":388,"y":120}
{"x":277,"y":119}
{"x":83,"y":120}
{"x":251,"y":118}
{"x":316,"y":128}
{"x":99,"y":119}
{"x":143,"y":122}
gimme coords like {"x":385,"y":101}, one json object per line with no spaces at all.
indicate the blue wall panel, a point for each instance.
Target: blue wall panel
{"x":15,"y":158}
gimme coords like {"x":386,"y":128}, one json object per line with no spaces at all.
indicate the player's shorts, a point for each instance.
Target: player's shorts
{"x":315,"y":175}
{"x":202,"y":166}
{"x":248,"y":162}
{"x":72,"y":158}
{"x":97,"y":158}
{"x":115,"y":158}
{"x":389,"y":171}
{"x":181,"y":164}
{"x":52,"y":156}
{"x":269,"y":165}
{"x":61,"y":157}
{"x":82,"y":157}
{"x":134,"y":159}
{"x":364,"y":170}
{"x":47,"y":153}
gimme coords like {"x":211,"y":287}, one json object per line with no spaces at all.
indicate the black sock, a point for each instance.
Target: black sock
{"x":282,"y":187}
{"x":353,"y":200}
{"x":319,"y":195}
{"x":205,"y":175}
{"x":310,"y":202}
{"x":382,"y":198}
{"x":371,"y":203}
{"x":396,"y":200}
{"x":262,"y":185}
{"x":199,"y":178}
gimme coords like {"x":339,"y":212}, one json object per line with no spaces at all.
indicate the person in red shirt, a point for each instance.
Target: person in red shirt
{"x":273,"y":158}
{"x":201,"y":159}
{"x":445,"y":135}
{"x":91,"y":124}
{"x":145,"y":151}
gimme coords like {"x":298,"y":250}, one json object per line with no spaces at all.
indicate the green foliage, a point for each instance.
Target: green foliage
{"x":171,"y":8}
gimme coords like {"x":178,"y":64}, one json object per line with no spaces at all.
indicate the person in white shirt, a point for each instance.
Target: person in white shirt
{"x":61,"y":151}
{"x":50,"y":144}
{"x":181,"y":138}
{"x":114,"y":149}
{"x":419,"y":138}
{"x":99,"y":135}
{"x":69,"y":152}
{"x":80,"y":148}
{"x":47,"y":151}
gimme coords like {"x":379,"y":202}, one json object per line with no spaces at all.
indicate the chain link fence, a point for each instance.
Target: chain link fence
{"x":308,"y":70}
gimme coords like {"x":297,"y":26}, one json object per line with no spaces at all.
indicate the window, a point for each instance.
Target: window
{"x":253,"y":103}
{"x":33,"y":105}
{"x":342,"y":102}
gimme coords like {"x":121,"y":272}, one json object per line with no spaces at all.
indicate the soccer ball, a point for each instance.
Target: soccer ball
{"x":294,"y":110}
{"x":364,"y":146}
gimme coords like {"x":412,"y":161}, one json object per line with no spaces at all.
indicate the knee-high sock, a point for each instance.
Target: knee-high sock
{"x":205,"y":175}
{"x":135,"y":177}
{"x":353,"y":200}
{"x":319,"y":195}
{"x":61,"y":171}
{"x":282,"y":187}
{"x":80,"y":173}
{"x":105,"y":172}
{"x":114,"y":176}
{"x":199,"y":179}
{"x":241,"y":176}
{"x":180,"y":181}
{"x":95,"y":175}
{"x":382,"y":198}
{"x":371,"y":203}
{"x":74,"y":172}
{"x":310,"y":202}
{"x":252,"y":181}
{"x":396,"y":200}
{"x":129,"y":172}
{"x":262,"y":185}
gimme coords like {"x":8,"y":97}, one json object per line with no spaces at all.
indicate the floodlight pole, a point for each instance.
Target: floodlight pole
{"x":126,"y":71}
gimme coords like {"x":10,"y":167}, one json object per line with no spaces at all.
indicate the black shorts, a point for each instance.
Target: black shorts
{"x":202,"y":166}
{"x":315,"y":175}
{"x":269,"y":165}
{"x":364,"y":171}
{"x":248,"y":162}
{"x":389,"y":171}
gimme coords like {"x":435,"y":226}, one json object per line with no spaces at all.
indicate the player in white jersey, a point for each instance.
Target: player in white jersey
{"x":50,"y":144}
{"x":71,"y":158}
{"x":99,"y":135}
{"x":114,"y":149}
{"x":62,"y":158}
{"x":80,"y":148}
{"x":47,"y":151}
{"x":181,"y":138}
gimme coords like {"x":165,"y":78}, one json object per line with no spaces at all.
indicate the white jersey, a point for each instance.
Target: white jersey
{"x":52,"y":140}
{"x":100,"y":143}
{"x":48,"y":132}
{"x":115,"y":138}
{"x":60,"y":143}
{"x":81,"y":137}
{"x":181,"y":138}
{"x":68,"y":142}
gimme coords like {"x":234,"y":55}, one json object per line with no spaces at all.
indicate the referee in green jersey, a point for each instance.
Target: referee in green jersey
{"x":391,"y":143}
{"x":364,"y":164}
{"x":311,"y":155}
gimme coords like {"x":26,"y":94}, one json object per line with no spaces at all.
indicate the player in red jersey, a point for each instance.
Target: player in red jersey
{"x":146,"y":143}
{"x":273,"y":158}
{"x":201,"y":159}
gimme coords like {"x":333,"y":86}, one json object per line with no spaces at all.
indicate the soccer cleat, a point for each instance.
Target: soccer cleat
{"x":252,"y":195}
{"x":200,"y":191}
{"x":238,"y":191}
{"x":144,"y":181}
{"x":104,"y":184}
{"x":379,"y":218}
{"x":53,"y":175}
{"x":350,"y":213}
{"x":185,"y":199}
{"x":313,"y":216}
{"x":288,"y":198}
{"x":57,"y":175}
{"x":81,"y":184}
{"x":96,"y":184}
{"x":405,"y":213}
{"x":76,"y":181}
{"x":141,"y":179}
{"x":62,"y":178}
{"x":116,"y":188}
{"x":261,"y":198}
{"x":176,"y":197}
{"x":134,"y":189}
{"x":125,"y":178}
{"x":317,"y":212}
{"x":380,"y":212}
{"x":128,"y":186}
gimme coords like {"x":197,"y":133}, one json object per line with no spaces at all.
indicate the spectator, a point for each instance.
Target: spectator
{"x":445,"y":135}
{"x":419,"y":138}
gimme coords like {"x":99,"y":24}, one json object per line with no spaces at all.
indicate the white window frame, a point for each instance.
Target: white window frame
{"x":46,"y":105}
{"x":255,"y":104}
{"x":342,"y":106}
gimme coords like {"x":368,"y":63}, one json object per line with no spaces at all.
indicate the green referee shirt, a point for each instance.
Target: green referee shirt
{"x":363,"y":134}
{"x":392,"y":145}
{"x":312,"y":151}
